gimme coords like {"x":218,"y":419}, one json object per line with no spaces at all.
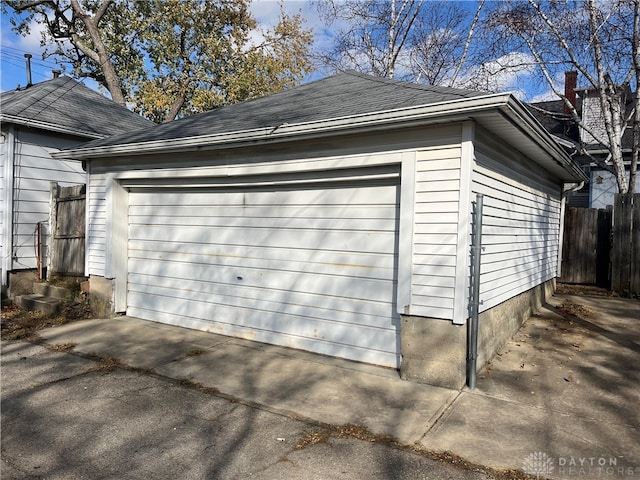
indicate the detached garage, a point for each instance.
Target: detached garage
{"x":334,"y":217}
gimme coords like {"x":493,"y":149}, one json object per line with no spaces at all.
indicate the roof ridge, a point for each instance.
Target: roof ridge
{"x":410,"y":85}
{"x":67,"y":103}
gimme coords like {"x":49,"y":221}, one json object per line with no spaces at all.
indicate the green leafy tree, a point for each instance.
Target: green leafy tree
{"x":201,"y":56}
{"x":171,"y":58}
{"x":91,"y":36}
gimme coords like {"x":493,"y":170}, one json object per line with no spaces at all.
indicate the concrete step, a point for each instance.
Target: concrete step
{"x":52,"y":291}
{"x":39,"y":303}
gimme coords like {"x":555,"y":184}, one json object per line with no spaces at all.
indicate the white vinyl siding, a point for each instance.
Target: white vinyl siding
{"x":3,"y":154}
{"x":521,"y":226}
{"x":442,"y":169}
{"x":435,"y":236}
{"x":312,"y":267}
{"x":96,"y":243}
{"x":34,"y":171}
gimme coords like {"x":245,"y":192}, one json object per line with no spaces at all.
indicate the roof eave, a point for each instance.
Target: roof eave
{"x":517,"y":113}
{"x":411,"y":115}
{"x":27,"y":122}
{"x":458,"y":110}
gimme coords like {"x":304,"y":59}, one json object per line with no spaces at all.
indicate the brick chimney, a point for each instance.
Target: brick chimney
{"x":570,"y":85}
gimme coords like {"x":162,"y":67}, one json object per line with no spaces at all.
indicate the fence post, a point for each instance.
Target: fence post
{"x":52,"y":259}
{"x":634,"y":260}
{"x":622,"y":258}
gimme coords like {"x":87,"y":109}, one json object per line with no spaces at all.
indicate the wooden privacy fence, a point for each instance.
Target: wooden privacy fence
{"x":585,"y":246}
{"x":625,"y":252}
{"x":602,"y":247}
{"x":67,"y":227}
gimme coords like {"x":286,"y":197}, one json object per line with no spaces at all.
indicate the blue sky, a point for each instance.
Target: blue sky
{"x":13,"y":47}
{"x":12,"y":50}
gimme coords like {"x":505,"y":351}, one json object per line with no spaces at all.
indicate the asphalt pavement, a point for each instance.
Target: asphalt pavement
{"x":125,"y":398}
{"x":66,"y":416}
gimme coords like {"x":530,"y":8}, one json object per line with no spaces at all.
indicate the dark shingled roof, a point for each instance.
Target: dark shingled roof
{"x":553,"y":118}
{"x":63,"y":103}
{"x":341,"y":95}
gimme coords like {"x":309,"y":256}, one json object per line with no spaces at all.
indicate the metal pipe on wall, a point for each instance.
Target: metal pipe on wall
{"x":474,"y":304}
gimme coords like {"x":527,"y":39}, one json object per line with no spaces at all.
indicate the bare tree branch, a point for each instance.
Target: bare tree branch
{"x":467,"y":44}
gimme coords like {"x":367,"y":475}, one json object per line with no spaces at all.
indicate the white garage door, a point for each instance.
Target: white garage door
{"x":311,"y":267}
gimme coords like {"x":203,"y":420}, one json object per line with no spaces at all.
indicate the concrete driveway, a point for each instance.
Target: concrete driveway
{"x":562,"y":394}
{"x":566,"y":390}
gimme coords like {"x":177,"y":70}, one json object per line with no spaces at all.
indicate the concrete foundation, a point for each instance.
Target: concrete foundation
{"x":434,"y":351}
{"x":499,"y":324}
{"x":101,"y":297}
{"x":21,"y":282}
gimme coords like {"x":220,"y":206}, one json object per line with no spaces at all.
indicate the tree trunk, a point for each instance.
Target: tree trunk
{"x":100,"y":55}
{"x":178,"y":102}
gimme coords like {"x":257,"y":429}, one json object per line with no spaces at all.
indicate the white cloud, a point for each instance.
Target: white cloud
{"x":543,"y":97}
{"x":509,"y":73}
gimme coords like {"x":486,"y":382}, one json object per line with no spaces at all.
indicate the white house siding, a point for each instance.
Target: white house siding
{"x":441,"y":230}
{"x":521,"y":223}
{"x":603,"y":189}
{"x":435,"y":235}
{"x":3,"y":152}
{"x":105,"y":174}
{"x":96,"y":232}
{"x":34,"y":170}
{"x":430,"y":203}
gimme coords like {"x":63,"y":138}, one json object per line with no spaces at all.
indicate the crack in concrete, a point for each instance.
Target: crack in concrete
{"x":444,"y":412}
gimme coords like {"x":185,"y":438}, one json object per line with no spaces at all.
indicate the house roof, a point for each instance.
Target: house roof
{"x":555,"y":120}
{"x":67,"y":106}
{"x":552,"y":116}
{"x":338,"y":96}
{"x":335,"y":105}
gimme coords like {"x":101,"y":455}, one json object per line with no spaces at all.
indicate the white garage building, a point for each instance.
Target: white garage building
{"x":334,"y":217}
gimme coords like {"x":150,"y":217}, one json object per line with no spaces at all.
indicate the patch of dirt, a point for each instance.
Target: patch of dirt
{"x":19,"y":324}
{"x":574,"y":310}
{"x":591,"y":290}
{"x":106,"y":364}
{"x":195,"y":352}
{"x":313,"y":437}
{"x":62,"y":347}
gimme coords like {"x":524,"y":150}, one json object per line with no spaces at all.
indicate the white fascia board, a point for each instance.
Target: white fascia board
{"x":564,"y":142}
{"x":516,"y":112}
{"x":458,"y":109}
{"x":48,"y":126}
{"x":6,"y":252}
{"x":505,"y":104}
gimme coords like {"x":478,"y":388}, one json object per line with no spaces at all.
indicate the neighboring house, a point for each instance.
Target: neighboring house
{"x":601,"y":188}
{"x":37,"y":121}
{"x":602,"y":185}
{"x":333,"y":217}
